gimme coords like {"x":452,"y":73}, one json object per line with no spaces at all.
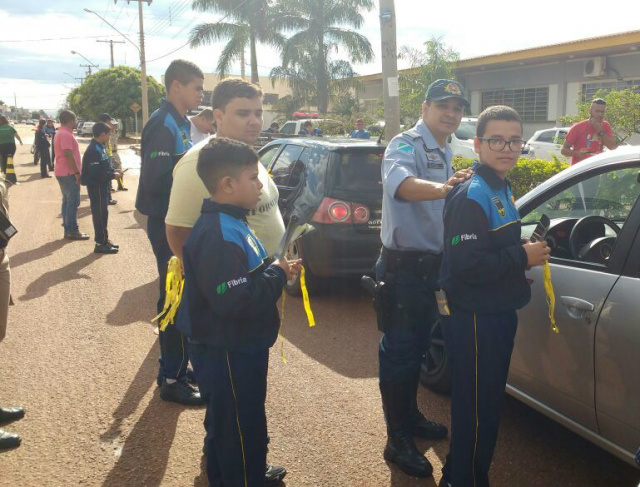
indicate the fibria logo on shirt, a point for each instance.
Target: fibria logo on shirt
{"x":461,"y":238}
{"x":161,"y":153}
{"x":222,"y":287}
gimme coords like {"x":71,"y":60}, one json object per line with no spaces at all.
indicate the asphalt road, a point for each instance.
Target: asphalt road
{"x":81,"y":356}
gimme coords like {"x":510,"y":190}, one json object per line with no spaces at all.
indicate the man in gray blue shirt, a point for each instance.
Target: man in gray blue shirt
{"x":416,"y":175}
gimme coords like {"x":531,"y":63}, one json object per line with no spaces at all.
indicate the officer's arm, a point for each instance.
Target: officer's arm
{"x":414,"y":189}
{"x":472,"y":256}
{"x":231,"y":292}
{"x":157,"y":162}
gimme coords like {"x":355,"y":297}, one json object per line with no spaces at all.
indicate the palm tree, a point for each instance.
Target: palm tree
{"x":253,"y":21}
{"x":319,"y":25}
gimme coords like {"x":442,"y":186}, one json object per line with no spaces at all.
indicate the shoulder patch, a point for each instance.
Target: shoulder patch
{"x":502,"y":211}
{"x":406,"y":148}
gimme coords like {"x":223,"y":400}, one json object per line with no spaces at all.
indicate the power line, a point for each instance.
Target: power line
{"x":169,"y":19}
{"x":57,"y":38}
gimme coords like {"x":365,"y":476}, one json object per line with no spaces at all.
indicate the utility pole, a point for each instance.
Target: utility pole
{"x":143,"y":63}
{"x":391,"y":93}
{"x":111,"y":42}
{"x":88,"y":66}
{"x":243,"y":66}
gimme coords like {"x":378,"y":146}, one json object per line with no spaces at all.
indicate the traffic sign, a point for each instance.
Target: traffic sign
{"x":135,"y":107}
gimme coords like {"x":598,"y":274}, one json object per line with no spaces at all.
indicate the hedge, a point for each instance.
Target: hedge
{"x":527,"y":173}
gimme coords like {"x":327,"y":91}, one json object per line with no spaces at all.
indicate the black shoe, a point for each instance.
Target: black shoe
{"x":105,"y":249}
{"x":77,"y":235}
{"x":180,"y":392}
{"x":402,"y":451}
{"x":122,"y":188}
{"x":45,"y":176}
{"x":111,"y":244}
{"x":9,"y":440}
{"x":112,"y":201}
{"x":11,"y":414}
{"x":274,"y":475}
{"x":429,"y":430}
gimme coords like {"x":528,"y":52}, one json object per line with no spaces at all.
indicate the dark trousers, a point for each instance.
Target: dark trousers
{"x":174,"y":350}
{"x":234,"y":388}
{"x":99,"y":199}
{"x":405,"y":343}
{"x":479,"y":348}
{"x":6,"y":151}
{"x":45,"y":161}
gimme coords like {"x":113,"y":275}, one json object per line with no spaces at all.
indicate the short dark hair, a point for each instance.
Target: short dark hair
{"x":496,"y":112}
{"x":274,"y":125}
{"x":100,"y":128}
{"x":181,"y":71}
{"x":308,"y":123}
{"x":598,"y":101}
{"x":66,"y":116}
{"x":232,"y":88}
{"x":222,"y":157}
{"x":206,"y":113}
{"x":42,"y":122}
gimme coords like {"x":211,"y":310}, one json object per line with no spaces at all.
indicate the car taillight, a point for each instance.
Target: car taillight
{"x":337,"y":211}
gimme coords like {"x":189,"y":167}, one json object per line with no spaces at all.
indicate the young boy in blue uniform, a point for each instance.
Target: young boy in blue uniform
{"x":97,"y":174}
{"x":483,"y":275}
{"x":229,"y":314}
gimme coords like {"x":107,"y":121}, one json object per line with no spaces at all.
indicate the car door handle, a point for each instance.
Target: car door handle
{"x":577,"y":308}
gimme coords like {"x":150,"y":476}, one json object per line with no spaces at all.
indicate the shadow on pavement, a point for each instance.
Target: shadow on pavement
{"x":345,"y":338}
{"x":31,"y":177}
{"x":46,"y":281}
{"x":135,"y":305}
{"x":41,"y":252}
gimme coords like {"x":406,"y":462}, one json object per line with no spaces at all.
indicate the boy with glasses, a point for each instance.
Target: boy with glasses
{"x":483,"y":275}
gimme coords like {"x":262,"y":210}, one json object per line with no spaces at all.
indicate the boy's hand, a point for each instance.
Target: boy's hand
{"x":290,"y":268}
{"x":537,"y":253}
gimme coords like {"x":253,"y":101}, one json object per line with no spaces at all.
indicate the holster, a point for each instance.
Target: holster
{"x":382,"y":301}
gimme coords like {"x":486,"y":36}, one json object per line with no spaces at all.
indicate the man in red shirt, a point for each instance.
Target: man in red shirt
{"x":590,"y":136}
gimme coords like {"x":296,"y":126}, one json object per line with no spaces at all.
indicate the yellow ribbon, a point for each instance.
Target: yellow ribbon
{"x":551,"y":297}
{"x":305,"y":299}
{"x":174,"y":285}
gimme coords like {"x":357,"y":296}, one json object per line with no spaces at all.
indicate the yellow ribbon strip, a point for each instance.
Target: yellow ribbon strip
{"x":174,"y":285}
{"x":551,"y":297}
{"x":305,"y":299}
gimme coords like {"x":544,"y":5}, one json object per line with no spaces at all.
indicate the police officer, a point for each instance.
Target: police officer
{"x":483,"y":275}
{"x":416,"y":175}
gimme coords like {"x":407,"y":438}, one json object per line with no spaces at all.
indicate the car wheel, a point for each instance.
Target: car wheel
{"x":292,"y":287}
{"x":435,"y":372}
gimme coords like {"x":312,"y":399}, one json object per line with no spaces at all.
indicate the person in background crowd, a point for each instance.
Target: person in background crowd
{"x":273,"y":128}
{"x":202,"y":125}
{"x":42,"y":146}
{"x":590,"y":136}
{"x":7,"y":142}
{"x":165,"y":139}
{"x":307,"y":129}
{"x":7,"y":414}
{"x":112,"y":150}
{"x":68,"y":170}
{"x":360,"y":132}
{"x":50,"y":130}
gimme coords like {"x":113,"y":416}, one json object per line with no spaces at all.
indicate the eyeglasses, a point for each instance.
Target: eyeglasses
{"x":498,"y":145}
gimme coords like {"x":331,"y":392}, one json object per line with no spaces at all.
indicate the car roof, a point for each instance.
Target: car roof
{"x":623,"y":153}
{"x":331,"y":143}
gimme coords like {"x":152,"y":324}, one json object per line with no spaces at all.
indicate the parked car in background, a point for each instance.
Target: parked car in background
{"x":86,"y":129}
{"x":546,"y":144}
{"x":344,"y":175}
{"x":462,"y":140}
{"x":586,"y":376}
{"x":331,"y":127}
{"x":29,"y":122}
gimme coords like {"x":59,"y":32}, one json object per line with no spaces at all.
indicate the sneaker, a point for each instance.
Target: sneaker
{"x":77,"y":235}
{"x":274,"y":475}
{"x":111,"y":244}
{"x":105,"y":249}
{"x":112,"y":201}
{"x":180,"y":392}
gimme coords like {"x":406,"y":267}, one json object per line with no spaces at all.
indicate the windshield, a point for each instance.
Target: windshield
{"x":467,"y":130}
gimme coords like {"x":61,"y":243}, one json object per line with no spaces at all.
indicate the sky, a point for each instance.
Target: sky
{"x":41,"y":72}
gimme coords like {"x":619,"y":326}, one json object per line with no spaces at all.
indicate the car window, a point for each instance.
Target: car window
{"x":358,"y":171}
{"x":288,"y":128}
{"x":466,"y":130}
{"x":610,"y":195}
{"x":285,"y":165}
{"x":562,"y":135}
{"x":267,"y":156}
{"x":547,"y":136}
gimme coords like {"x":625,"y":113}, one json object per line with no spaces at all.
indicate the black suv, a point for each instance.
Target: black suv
{"x":343,"y":179}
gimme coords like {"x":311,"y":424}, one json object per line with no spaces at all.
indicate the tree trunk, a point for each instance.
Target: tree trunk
{"x":323,"y":83}
{"x":254,"y":60}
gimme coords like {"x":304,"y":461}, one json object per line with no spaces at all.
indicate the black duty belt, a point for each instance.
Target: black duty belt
{"x":412,"y":260}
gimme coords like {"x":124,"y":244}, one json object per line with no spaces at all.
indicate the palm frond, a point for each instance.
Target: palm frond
{"x":209,"y":33}
{"x":357,"y":45}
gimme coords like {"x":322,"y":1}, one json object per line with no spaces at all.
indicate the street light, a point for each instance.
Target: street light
{"x":143,"y":64}
{"x":90,"y":65}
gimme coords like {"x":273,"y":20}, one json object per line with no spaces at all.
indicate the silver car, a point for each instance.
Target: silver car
{"x":587,"y":376}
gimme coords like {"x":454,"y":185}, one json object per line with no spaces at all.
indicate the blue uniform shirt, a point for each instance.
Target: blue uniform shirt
{"x":413,"y":225}
{"x":360,"y":134}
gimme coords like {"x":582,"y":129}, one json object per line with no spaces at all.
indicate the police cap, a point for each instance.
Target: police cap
{"x":441,"y":89}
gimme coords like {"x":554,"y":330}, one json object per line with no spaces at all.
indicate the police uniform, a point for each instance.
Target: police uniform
{"x":412,"y":238}
{"x":165,"y":139}
{"x":97,"y":173}
{"x":229,"y":313}
{"x":483,"y":275}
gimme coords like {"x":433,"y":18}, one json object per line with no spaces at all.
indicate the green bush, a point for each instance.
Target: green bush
{"x":526,"y":175}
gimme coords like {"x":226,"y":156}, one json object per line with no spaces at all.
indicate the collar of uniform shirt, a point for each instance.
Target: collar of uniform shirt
{"x":489,"y":175}
{"x":429,"y":139}
{"x":174,"y":113}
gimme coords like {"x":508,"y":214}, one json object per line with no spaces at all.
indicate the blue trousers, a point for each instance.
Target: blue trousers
{"x":174,"y":348}
{"x":234,"y":388}
{"x":479,"y":347}
{"x":70,"y":202}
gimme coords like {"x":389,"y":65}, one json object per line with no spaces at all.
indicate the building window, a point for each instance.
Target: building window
{"x":588,"y":90}
{"x":531,"y":103}
{"x":270,"y":98}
